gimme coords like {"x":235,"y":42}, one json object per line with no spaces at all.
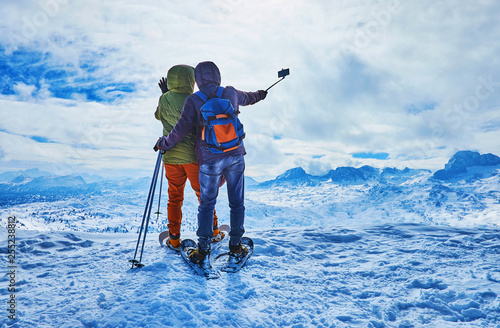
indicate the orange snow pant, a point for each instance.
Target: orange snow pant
{"x":176,"y":175}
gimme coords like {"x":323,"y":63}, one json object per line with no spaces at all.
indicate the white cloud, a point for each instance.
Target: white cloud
{"x":80,"y":134}
{"x":24,"y":91}
{"x":356,"y":69}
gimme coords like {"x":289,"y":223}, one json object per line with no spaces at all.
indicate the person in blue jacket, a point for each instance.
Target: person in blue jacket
{"x":214,"y":166}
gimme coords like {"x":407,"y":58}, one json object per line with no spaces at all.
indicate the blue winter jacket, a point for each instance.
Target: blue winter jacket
{"x":208,"y":79}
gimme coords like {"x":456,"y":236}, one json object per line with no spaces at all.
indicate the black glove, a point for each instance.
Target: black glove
{"x":161,"y":144}
{"x":163,"y":85}
{"x":262,"y":94}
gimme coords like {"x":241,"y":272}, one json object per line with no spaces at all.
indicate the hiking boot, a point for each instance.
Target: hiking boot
{"x":174,"y":242}
{"x":218,"y":236}
{"x":198,"y":256}
{"x":237,"y":251}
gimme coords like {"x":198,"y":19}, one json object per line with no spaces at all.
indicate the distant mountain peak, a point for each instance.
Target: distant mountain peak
{"x":464,"y":159}
{"x":352,"y":175}
{"x":295,"y":173}
{"x":22,"y":176}
{"x":295,"y":176}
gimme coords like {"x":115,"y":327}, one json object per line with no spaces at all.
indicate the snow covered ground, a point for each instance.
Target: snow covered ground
{"x":391,"y":275}
{"x":354,"y":248}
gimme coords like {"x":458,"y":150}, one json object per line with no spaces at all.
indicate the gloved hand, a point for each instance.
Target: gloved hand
{"x":163,"y":85}
{"x":262,"y":94}
{"x":162,"y":144}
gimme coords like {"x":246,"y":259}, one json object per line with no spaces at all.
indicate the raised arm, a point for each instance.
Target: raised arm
{"x":249,"y":98}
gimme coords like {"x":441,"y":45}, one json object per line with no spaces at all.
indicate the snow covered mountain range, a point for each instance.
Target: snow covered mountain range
{"x":357,"y":247}
{"x":466,"y":192}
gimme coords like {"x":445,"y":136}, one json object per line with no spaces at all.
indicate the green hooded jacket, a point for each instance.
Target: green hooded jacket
{"x":180,"y":82}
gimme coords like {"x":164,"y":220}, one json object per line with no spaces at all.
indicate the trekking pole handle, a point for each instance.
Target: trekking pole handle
{"x":155,"y":148}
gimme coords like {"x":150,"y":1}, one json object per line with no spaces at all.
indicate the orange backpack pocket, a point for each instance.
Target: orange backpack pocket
{"x":225,"y":132}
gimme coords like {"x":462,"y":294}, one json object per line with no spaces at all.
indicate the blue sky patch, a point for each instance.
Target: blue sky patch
{"x":420,"y":107}
{"x":63,"y":80}
{"x":41,"y":139}
{"x":380,"y":156}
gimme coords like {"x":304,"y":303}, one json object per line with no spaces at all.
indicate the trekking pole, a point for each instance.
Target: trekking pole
{"x":283,"y":73}
{"x":159,"y":197}
{"x":146,"y":215}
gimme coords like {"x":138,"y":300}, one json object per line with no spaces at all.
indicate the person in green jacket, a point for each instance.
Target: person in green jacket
{"x":180,"y":162}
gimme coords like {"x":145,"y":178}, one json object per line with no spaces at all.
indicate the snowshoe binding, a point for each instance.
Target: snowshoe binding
{"x":174,"y":243}
{"x":171,"y":241}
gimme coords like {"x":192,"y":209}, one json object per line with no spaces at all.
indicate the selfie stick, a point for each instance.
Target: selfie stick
{"x":283,"y":73}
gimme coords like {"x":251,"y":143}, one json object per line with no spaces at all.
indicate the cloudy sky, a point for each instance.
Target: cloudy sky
{"x":395,"y":83}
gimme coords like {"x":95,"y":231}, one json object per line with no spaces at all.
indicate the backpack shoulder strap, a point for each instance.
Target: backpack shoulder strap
{"x":220,"y":90}
{"x":201,"y":95}
{"x":204,"y":97}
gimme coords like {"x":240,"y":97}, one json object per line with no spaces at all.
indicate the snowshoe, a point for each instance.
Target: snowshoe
{"x":238,"y":255}
{"x":200,"y":263}
{"x":218,"y":237}
{"x":163,"y":236}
